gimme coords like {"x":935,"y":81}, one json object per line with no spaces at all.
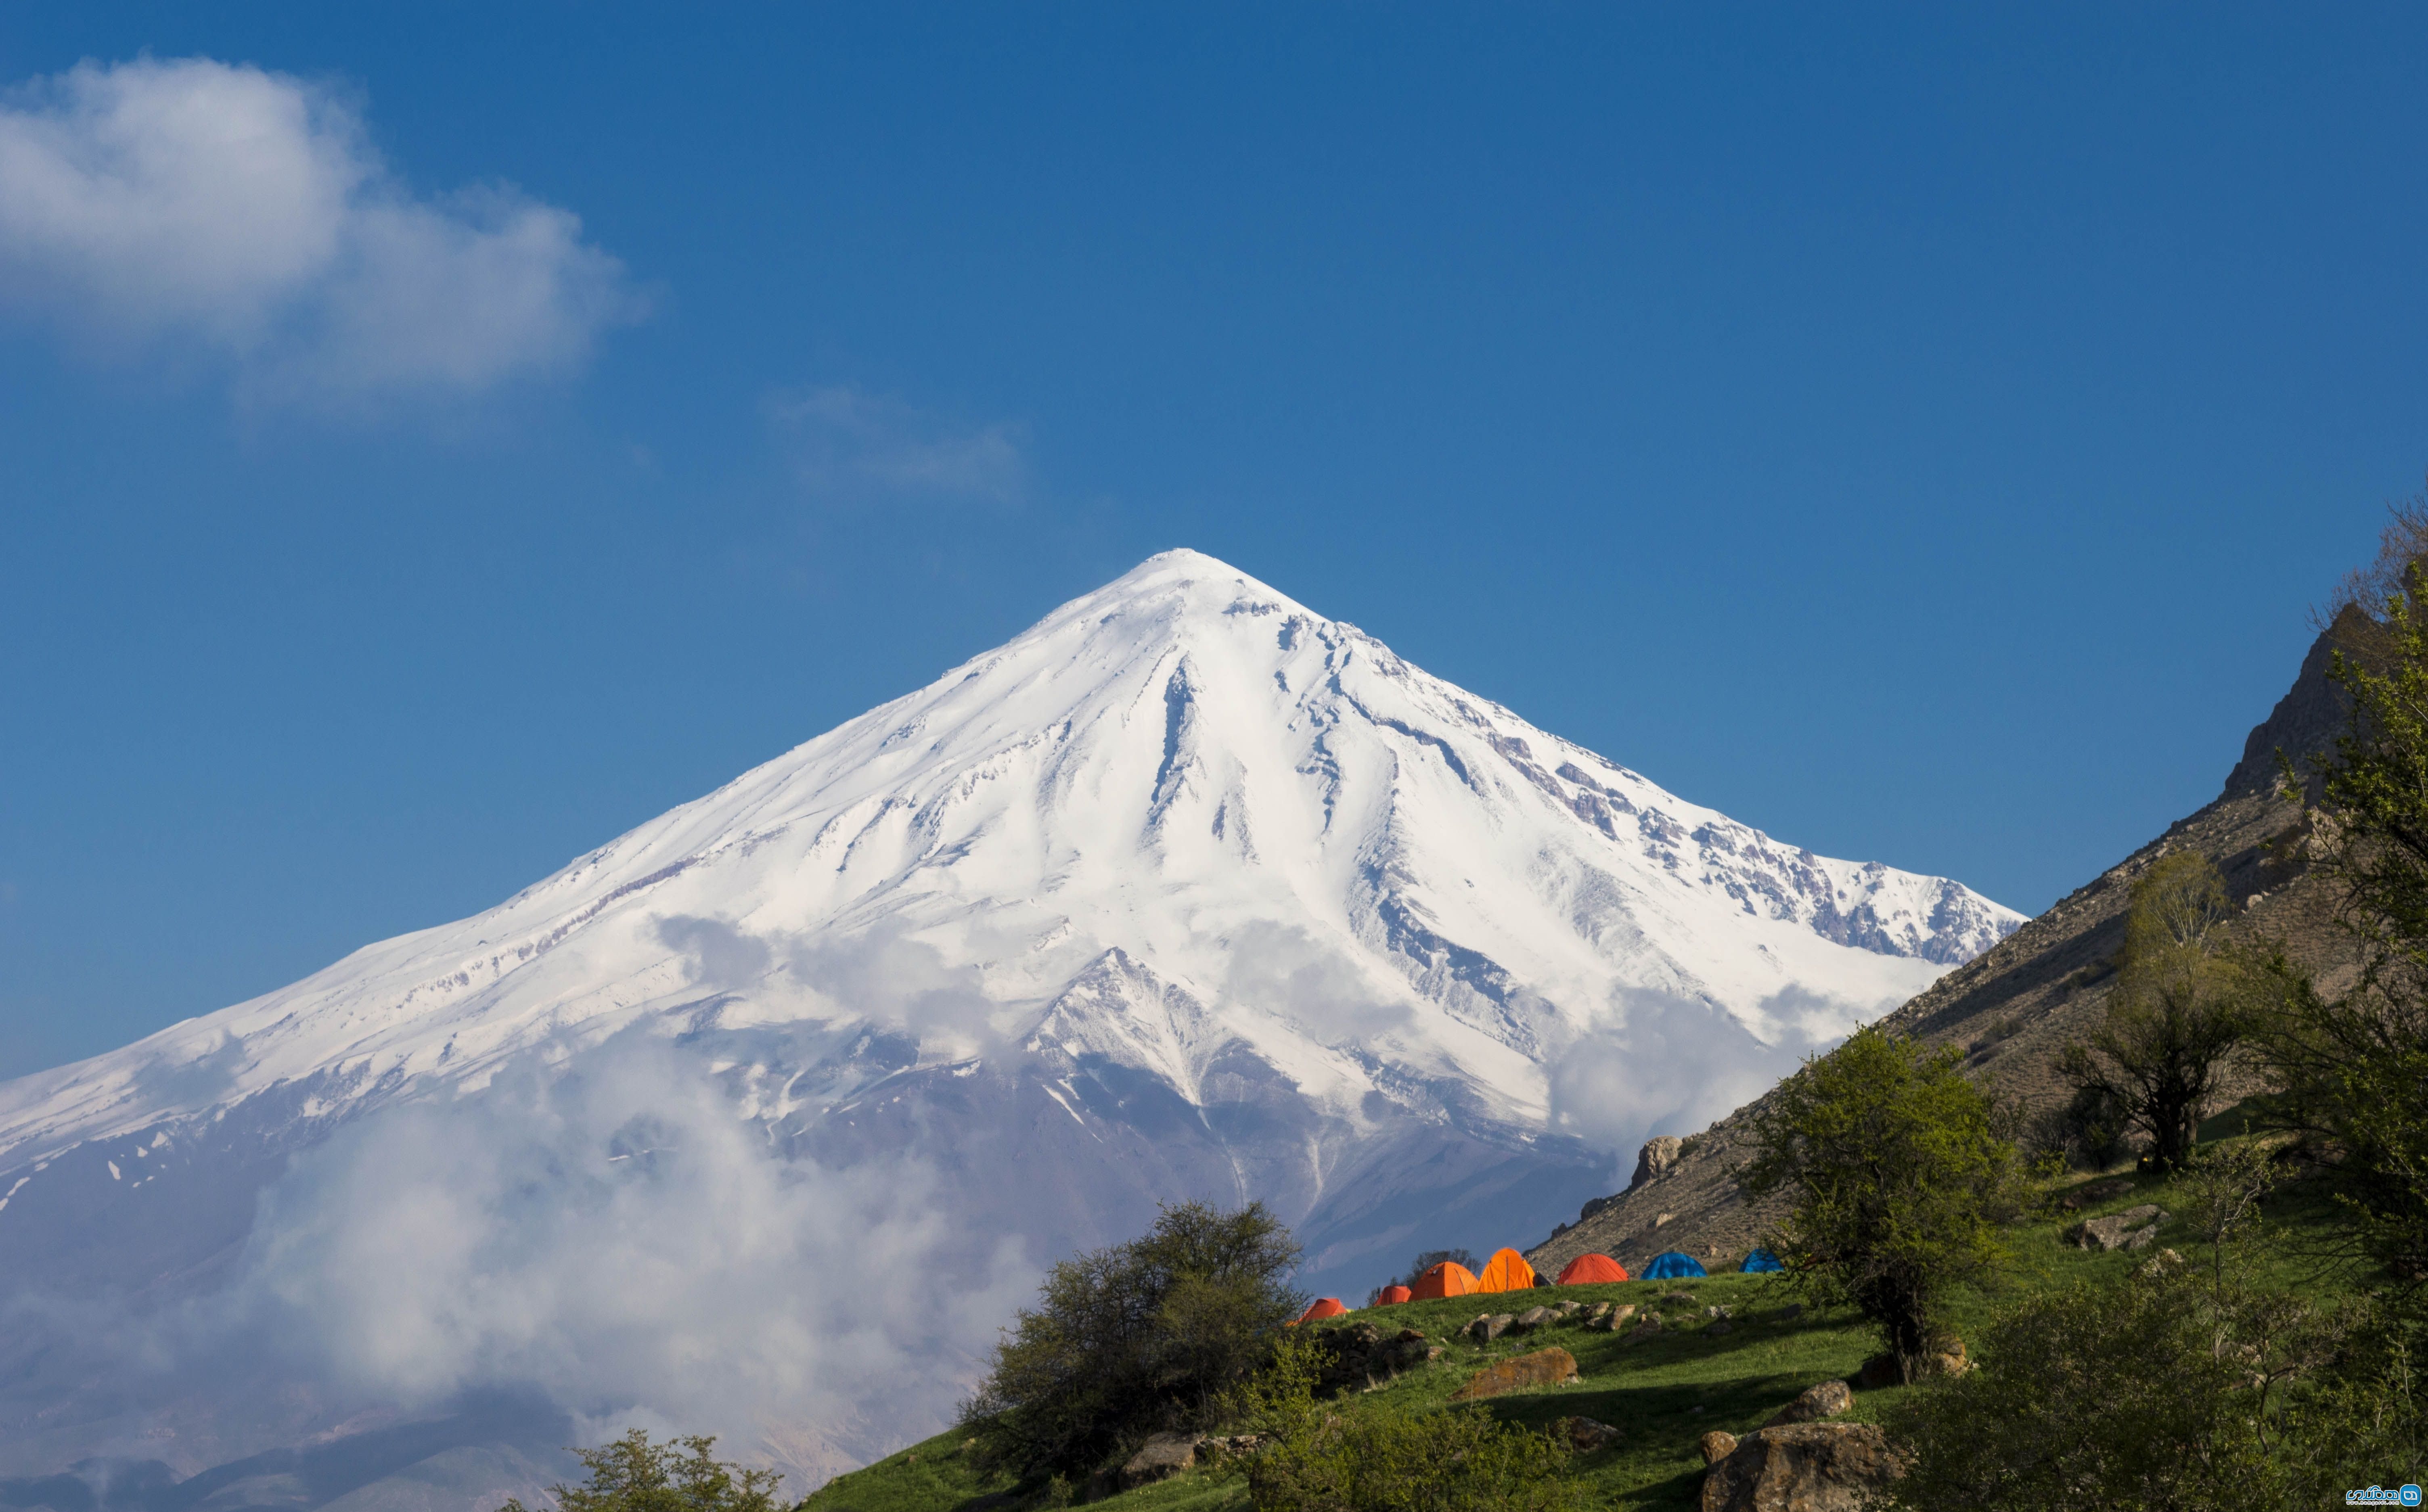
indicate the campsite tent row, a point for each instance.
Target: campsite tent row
{"x":1507,"y":1271}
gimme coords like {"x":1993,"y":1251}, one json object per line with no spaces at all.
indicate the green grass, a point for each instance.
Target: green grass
{"x":1662,"y":1393}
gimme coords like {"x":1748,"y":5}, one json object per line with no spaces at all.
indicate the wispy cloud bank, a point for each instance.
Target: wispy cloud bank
{"x":846,"y":443}
{"x":612,"y":1238}
{"x":200,"y":202}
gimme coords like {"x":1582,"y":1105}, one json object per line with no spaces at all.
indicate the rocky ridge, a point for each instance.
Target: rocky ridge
{"x":2015,"y":1006}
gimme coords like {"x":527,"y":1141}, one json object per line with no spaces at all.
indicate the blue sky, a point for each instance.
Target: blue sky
{"x":435,"y":438}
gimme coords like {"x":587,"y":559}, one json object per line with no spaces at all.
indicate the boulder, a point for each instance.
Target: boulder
{"x":1569,"y":1310}
{"x":1585,"y":1434}
{"x":1532,"y":1318}
{"x":1827,"y":1399}
{"x":1788,"y":1313}
{"x":1646,"y":1326}
{"x":1717,"y":1446}
{"x":1804,"y":1467}
{"x":1719,"y":1312}
{"x":1718,"y":1326}
{"x":1687,"y":1298}
{"x":1947,"y":1357}
{"x":1160,"y":1457}
{"x":2132,"y":1229}
{"x":1543,"y":1367}
{"x":1596,"y":1313}
{"x":1656,"y":1160}
{"x":1361,"y":1358}
{"x":1490,"y":1326}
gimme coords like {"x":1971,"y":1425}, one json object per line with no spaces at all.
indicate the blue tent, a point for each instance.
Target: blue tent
{"x":1760,"y":1261}
{"x":1671,"y":1265}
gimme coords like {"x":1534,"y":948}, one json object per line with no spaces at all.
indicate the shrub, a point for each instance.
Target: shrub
{"x":1137,"y":1338}
{"x":1901,"y":1177}
{"x":633,"y":1474}
{"x":1384,"y":1458}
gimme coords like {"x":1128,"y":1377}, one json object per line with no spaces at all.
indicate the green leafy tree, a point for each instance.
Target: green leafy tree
{"x":2350,"y":1070}
{"x":2175,"y":1017}
{"x":1385,"y":1458}
{"x":1140,"y":1336}
{"x":633,"y":1474}
{"x":1900,"y":1177}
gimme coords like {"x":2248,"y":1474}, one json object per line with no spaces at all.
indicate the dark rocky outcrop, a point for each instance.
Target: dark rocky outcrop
{"x":1361,"y":1357}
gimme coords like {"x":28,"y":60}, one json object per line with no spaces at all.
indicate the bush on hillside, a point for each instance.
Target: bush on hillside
{"x":1385,"y":1458}
{"x":632,"y":1474}
{"x":1137,"y":1339}
{"x":2164,"y":1391}
{"x":1900,"y":1177}
{"x":2180,"y":1387}
{"x":2174,"y":1019}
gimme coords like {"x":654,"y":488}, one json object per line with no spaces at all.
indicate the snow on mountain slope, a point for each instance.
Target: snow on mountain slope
{"x":1186,"y":891}
{"x":1180,"y":765}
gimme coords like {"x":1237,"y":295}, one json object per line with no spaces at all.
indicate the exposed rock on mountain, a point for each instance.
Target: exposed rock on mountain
{"x":2013,"y":1009}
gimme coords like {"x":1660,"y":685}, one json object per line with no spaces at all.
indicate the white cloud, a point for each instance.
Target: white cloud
{"x":246,"y":211}
{"x":846,"y":443}
{"x":619,"y":1238}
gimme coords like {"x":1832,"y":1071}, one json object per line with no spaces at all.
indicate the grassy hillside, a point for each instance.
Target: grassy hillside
{"x":1662,"y":1393}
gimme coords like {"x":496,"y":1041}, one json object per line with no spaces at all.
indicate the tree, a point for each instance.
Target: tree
{"x":1900,"y":1177}
{"x":2350,"y":1070}
{"x":1137,"y":1338}
{"x":2174,"y":1016}
{"x":633,"y":1474}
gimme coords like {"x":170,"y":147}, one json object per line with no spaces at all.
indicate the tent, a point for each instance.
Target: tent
{"x":1321,"y":1308}
{"x":1392,"y":1294}
{"x":1586,"y":1270}
{"x":1761,"y":1261}
{"x":1507,"y":1271}
{"x":1671,"y":1264}
{"x":1448,"y":1279}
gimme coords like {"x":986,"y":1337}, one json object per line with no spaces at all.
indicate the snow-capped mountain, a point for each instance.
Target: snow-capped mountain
{"x":1188,"y":890}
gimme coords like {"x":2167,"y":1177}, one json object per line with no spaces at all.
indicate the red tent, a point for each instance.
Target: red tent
{"x":1321,"y":1308}
{"x":1507,"y":1271}
{"x":1448,"y":1279}
{"x":1392,"y":1294}
{"x":1585,"y":1270}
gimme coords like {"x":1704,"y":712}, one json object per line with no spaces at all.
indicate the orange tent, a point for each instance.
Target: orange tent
{"x":1321,"y":1308}
{"x":1507,"y":1271}
{"x":1448,"y":1279}
{"x":1392,"y":1294}
{"x":1585,"y":1270}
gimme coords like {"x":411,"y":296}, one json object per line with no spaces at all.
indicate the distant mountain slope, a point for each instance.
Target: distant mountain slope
{"x":1185,"y":891}
{"x":2015,"y":1006}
